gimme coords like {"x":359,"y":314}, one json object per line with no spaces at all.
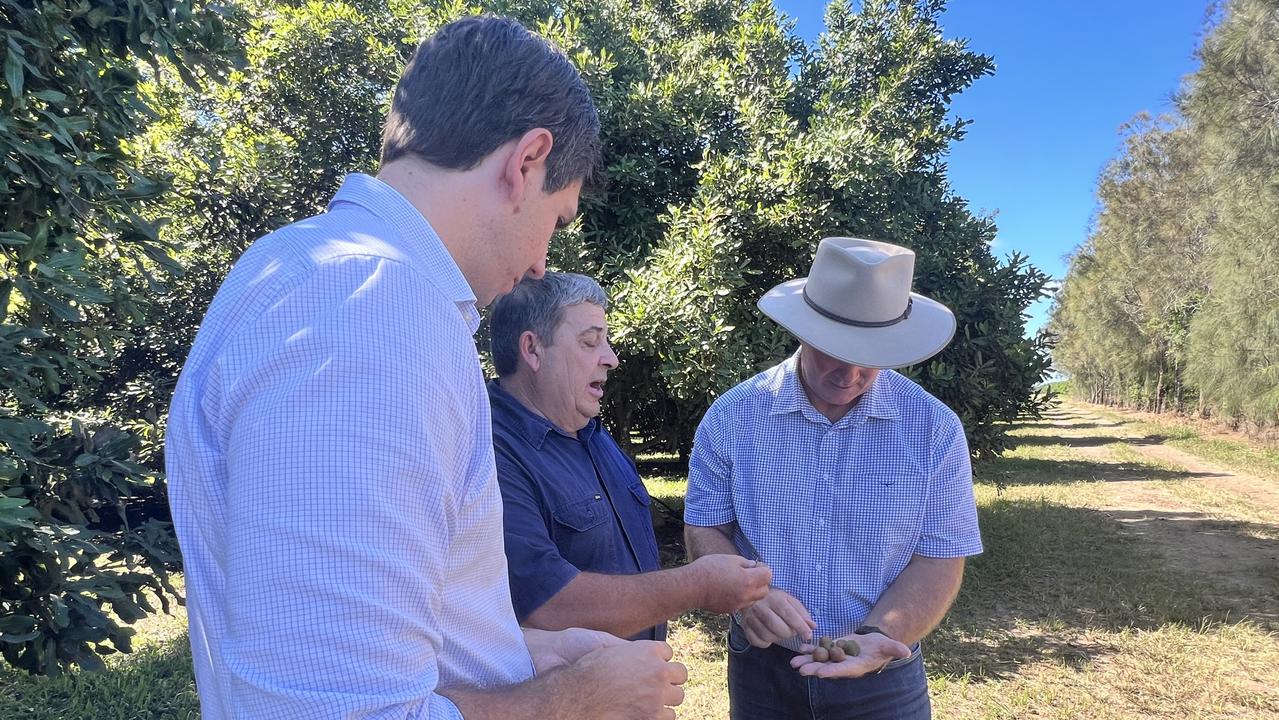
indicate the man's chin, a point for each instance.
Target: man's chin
{"x":487,"y":299}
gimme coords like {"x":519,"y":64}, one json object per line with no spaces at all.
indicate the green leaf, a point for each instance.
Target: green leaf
{"x":76,"y":123}
{"x":13,"y":74}
{"x":8,"y":521}
{"x":11,"y":625}
{"x":86,"y":295}
{"x":90,"y":661}
{"x":52,"y":96}
{"x":37,"y":244}
{"x":59,"y":307}
{"x":65,"y":260}
{"x":61,"y":614}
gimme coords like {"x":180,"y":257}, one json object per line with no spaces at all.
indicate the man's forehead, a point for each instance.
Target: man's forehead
{"x":585,"y":316}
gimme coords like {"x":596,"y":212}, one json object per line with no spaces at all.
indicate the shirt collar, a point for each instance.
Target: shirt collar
{"x":876,"y":402}
{"x":532,"y":427}
{"x":419,"y":239}
{"x":789,"y":396}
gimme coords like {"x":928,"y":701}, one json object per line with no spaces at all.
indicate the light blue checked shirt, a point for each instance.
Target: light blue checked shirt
{"x":835,"y":509}
{"x":331,"y":475}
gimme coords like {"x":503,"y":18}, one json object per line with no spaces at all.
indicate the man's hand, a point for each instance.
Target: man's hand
{"x":630,"y":681}
{"x":552,"y":649}
{"x":619,"y":681}
{"x":876,"y":651}
{"x":730,"y":582}
{"x":778,"y":617}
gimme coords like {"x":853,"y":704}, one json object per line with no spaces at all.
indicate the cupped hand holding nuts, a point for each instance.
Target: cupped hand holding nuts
{"x":848,"y":657}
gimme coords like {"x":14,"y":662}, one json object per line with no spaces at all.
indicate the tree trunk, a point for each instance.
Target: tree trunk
{"x":621,"y":430}
{"x":1159,"y":389}
{"x":1176,"y":387}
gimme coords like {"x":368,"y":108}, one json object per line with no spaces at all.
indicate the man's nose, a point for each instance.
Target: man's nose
{"x":848,"y":374}
{"x":609,"y":360}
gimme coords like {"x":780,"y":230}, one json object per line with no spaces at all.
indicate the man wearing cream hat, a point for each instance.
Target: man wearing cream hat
{"x":850,"y":481}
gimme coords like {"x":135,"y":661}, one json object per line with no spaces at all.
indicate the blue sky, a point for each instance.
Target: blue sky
{"x":1068,"y":75}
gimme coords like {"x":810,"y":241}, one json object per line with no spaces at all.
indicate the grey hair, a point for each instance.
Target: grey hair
{"x":536,"y":306}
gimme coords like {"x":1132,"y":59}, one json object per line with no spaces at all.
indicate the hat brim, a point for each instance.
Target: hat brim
{"x":928,"y":330}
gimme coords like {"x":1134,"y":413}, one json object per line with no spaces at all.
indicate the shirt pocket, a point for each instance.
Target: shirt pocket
{"x":583,"y":533}
{"x":886,"y":500}
{"x":581,"y":515}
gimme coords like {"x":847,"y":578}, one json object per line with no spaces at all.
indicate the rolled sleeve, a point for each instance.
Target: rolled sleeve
{"x":709,"y":501}
{"x":536,"y":568}
{"x":950,"y":513}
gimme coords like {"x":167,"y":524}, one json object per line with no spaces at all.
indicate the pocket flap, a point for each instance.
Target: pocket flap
{"x":581,"y":515}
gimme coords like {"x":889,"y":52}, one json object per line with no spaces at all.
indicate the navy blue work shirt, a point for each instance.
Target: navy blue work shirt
{"x":571,"y":504}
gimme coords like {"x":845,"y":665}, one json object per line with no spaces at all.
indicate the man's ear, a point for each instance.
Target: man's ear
{"x":525,"y":167}
{"x":530,"y":350}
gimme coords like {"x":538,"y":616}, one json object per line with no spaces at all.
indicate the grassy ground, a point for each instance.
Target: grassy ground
{"x":1068,"y":614}
{"x":152,"y":683}
{"x":1229,"y":450}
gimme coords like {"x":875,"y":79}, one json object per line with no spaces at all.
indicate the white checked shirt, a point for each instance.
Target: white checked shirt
{"x":836,"y":510}
{"x":331,"y":475}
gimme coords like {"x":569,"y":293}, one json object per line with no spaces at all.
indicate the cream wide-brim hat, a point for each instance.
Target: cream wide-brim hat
{"x":856,"y":306}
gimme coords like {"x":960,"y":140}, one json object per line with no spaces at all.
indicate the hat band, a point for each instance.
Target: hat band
{"x":858,"y":323}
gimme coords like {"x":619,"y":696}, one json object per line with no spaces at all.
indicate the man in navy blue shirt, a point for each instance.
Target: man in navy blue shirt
{"x":579,"y":538}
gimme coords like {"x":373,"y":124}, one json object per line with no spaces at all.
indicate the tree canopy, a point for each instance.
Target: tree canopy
{"x":78,"y":257}
{"x":732,"y":148}
{"x":1170,"y":302}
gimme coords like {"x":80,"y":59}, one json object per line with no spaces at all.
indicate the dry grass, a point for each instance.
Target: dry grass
{"x":1067,"y":615}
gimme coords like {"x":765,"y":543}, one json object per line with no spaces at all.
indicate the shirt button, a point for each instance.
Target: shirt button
{"x":821,"y":521}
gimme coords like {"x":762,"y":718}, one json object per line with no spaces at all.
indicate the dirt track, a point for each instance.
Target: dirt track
{"x":1205,"y":519}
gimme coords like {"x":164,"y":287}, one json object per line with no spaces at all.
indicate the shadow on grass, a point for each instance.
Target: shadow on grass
{"x":1240,"y":556}
{"x":1071,"y":426}
{"x":668,"y":526}
{"x":152,"y":683}
{"x":661,"y":466}
{"x":1013,"y":472}
{"x":711,"y":625}
{"x":1084,"y":441}
{"x":1053,"y":574}
{"x":1066,"y":415}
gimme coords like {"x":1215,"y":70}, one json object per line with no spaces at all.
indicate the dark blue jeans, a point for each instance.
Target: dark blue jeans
{"x":763,"y":686}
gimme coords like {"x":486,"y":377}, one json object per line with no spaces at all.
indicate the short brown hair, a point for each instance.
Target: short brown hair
{"x":483,"y":81}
